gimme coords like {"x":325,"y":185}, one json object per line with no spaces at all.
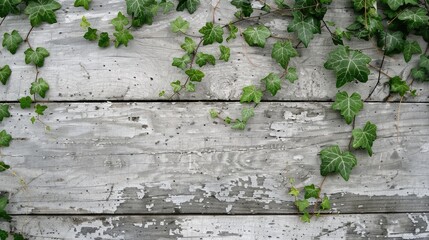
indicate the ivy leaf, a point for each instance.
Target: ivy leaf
{"x":294,"y":192}
{"x":91,"y":34}
{"x":195,"y":75}
{"x":392,"y":42}
{"x":244,"y":5}
{"x":291,"y":75}
{"x":304,"y":26}
{"x":282,"y":52}
{"x":395,"y":4}
{"x":305,"y":217}
{"x":302,"y":204}
{"x":424,"y":62}
{"x":213,"y":113}
{"x":233,"y":30}
{"x":349,"y":106}
{"x":225,"y":53}
{"x":39,"y":87}
{"x":4,"y":111}
{"x":5,"y":73}
{"x":189,"y":45}
{"x":9,"y":6}
{"x":3,"y":202}
{"x":12,"y":41}
{"x":251,"y":94}
{"x":211,"y":33}
{"x":176,"y":85}
{"x":40,"y":109}
{"x":25,"y":102}
{"x":181,"y":62}
{"x":419,"y":74}
{"x":190,"y":87}
{"x":398,"y":86}
{"x":326,"y":204}
{"x":104,"y":40}
{"x":122,"y":37}
{"x":256,"y":36}
{"x":239,"y":125}
{"x":5,"y":139}
{"x":411,"y":48}
{"x":166,"y":6}
{"x":3,"y":234}
{"x":272,"y":83}
{"x":281,"y":4}
{"x":84,"y":23}
{"x":42,"y":11}
{"x":348,"y":65}
{"x":82,"y":3}
{"x":17,"y":236}
{"x":143,"y":11}
{"x":310,"y":191}
{"x":247,"y":113}
{"x":203,"y":58}
{"x":364,"y":138}
{"x":191,"y":5}
{"x":3,"y":166}
{"x":36,"y":57}
{"x":336,"y":161}
{"x":179,"y":25}
{"x":120,"y":22}
{"x":414,"y":18}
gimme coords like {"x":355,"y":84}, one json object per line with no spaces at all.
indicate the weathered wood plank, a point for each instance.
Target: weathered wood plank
{"x":172,"y":158}
{"x":368,"y":226}
{"x":79,"y":70}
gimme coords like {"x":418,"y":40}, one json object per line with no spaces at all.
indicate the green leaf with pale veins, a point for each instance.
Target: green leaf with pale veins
{"x":411,"y":48}
{"x":393,"y":42}
{"x":40,"y":109}
{"x":204,"y":58}
{"x":3,"y":167}
{"x":181,"y":62}
{"x":36,"y":57}
{"x":225,"y":53}
{"x":326,"y":204}
{"x":9,"y":6}
{"x":272,"y":83}
{"x":25,"y":102}
{"x":104,"y":40}
{"x":189,"y":45}
{"x":364,"y":138}
{"x":120,"y":21}
{"x":424,"y":62}
{"x":419,"y":74}
{"x":256,"y":36}
{"x":91,"y":34}
{"x":294,"y":192}
{"x":251,"y":94}
{"x":84,"y":23}
{"x":233,"y":30}
{"x":40,"y":11}
{"x":398,"y":86}
{"x":190,"y":87}
{"x":211,"y":33}
{"x":415,"y":18}
{"x":143,"y":11}
{"x":3,"y":199}
{"x":123,"y":37}
{"x":282,"y":52}
{"x":395,"y":4}
{"x":179,"y":25}
{"x":39,"y":87}
{"x":302,"y":204}
{"x":336,"y":161}
{"x":166,"y":6}
{"x":4,"y":111}
{"x":361,"y":4}
{"x":5,"y":73}
{"x":5,"y":139}
{"x":305,"y":217}
{"x":348,"y":105}
{"x":244,"y":5}
{"x":82,"y":3}
{"x":195,"y":75}
{"x":176,"y":85}
{"x":247,"y":113}
{"x":348,"y":65}
{"x":190,"y":5}
{"x":12,"y":41}
{"x":291,"y":75}
{"x":239,"y":125}
{"x":3,"y":234}
{"x":304,"y":26}
{"x":310,"y":191}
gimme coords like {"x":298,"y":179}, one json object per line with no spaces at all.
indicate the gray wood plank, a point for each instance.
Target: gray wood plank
{"x":172,"y":158}
{"x":79,"y":70}
{"x":343,"y":226}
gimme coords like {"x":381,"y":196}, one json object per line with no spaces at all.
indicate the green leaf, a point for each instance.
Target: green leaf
{"x":122,"y":37}
{"x":225,"y":53}
{"x":4,"y":111}
{"x":179,"y":25}
{"x":12,"y":41}
{"x":3,"y":201}
{"x":39,"y":87}
{"x":302,"y":204}
{"x":176,"y":85}
{"x":42,"y":11}
{"x":239,"y":125}
{"x":211,"y":33}
{"x":190,"y":5}
{"x":282,"y":52}
{"x":25,"y":102}
{"x":272,"y":83}
{"x":190,"y":87}
{"x":244,"y":5}
{"x":3,"y":166}
{"x":392,"y":42}
{"x":411,"y":48}
{"x":214,"y":113}
{"x":310,"y":191}
{"x":9,"y":6}
{"x":291,"y":75}
{"x":349,"y":106}
{"x":348,"y":65}
{"x":247,"y":113}
{"x":398,"y":86}
{"x":33,"y":120}
{"x":326,"y":204}
{"x":203,"y":58}
{"x":294,"y":192}
{"x":36,"y":57}
{"x":195,"y":75}
{"x":415,"y":18}
{"x":251,"y":94}
{"x":120,"y":22}
{"x":395,"y":4}
{"x":17,"y":236}
{"x":166,"y":6}
{"x":305,"y":217}
{"x":40,"y":109}
{"x":82,"y":3}
{"x":3,"y":234}
{"x":304,"y":26}
{"x":5,"y":139}
{"x":233,"y":30}
{"x":181,"y":62}
{"x":364,"y":138}
{"x":143,"y":11}
{"x":256,"y":36}
{"x":84,"y":23}
{"x":419,"y":74}
{"x":104,"y":40}
{"x":227,"y":120}
{"x":335,"y":161}
{"x":5,"y":73}
{"x":91,"y":34}
{"x":189,"y":45}
{"x":424,"y":62}
{"x":281,"y":4}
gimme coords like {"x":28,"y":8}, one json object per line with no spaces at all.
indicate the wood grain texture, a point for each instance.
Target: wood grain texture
{"x":161,"y":158}
{"x":368,"y":226}
{"x":79,"y":70}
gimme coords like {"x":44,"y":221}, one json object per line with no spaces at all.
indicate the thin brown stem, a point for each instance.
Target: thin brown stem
{"x":350,"y":146}
{"x":2,"y":21}
{"x":380,"y":70}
